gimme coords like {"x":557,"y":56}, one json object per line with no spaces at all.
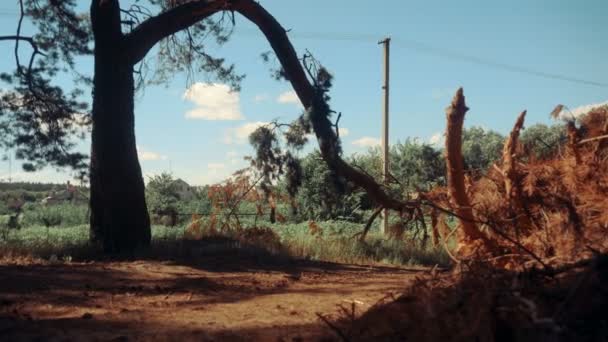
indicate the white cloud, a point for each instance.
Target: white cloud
{"x":149,"y":155}
{"x":213,"y":102}
{"x":213,"y":174}
{"x":260,"y":98}
{"x":240,"y":134}
{"x":288,"y":97}
{"x":581,"y":110}
{"x":367,"y":142}
{"x":437,"y":139}
{"x":343,"y":132}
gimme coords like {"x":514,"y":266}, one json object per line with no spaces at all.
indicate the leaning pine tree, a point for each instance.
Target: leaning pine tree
{"x":39,"y":117}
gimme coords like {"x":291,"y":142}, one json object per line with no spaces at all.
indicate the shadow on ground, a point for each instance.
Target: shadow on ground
{"x":224,"y":295}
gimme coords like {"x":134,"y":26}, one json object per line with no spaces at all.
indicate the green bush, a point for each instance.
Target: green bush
{"x":480,"y":148}
{"x":543,"y":141}
{"x":324,"y":195}
{"x":65,"y":215}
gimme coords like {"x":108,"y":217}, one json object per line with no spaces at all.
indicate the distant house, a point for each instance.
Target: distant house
{"x":184,"y":190}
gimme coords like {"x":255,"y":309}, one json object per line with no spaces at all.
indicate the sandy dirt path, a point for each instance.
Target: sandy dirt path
{"x":215,"y":299}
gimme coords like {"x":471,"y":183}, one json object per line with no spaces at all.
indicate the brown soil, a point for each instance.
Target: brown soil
{"x":216,"y":299}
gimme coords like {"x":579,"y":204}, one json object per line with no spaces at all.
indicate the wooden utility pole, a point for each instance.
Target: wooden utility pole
{"x":385,"y":150}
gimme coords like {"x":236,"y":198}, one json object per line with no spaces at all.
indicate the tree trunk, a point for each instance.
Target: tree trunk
{"x":119,"y":216}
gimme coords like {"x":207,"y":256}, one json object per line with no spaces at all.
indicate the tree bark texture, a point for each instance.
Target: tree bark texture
{"x":119,"y":216}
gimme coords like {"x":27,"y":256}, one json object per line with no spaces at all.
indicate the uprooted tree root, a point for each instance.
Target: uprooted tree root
{"x":531,"y":262}
{"x":560,"y":209}
{"x":548,"y":212}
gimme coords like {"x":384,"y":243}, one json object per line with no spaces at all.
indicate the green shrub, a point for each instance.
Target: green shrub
{"x":65,"y":215}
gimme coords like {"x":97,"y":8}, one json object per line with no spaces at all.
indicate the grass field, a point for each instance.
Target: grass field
{"x":332,"y":241}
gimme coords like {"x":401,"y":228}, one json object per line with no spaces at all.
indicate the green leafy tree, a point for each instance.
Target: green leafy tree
{"x":369,"y":162}
{"x":417,"y":166}
{"x":200,"y":204}
{"x":324,"y":195}
{"x":481,"y":148}
{"x":543,"y":141}
{"x":162,"y":195}
{"x":414,"y":165}
{"x":37,"y":118}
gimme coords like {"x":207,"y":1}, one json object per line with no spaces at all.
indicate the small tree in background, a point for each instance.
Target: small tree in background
{"x":480,"y":148}
{"x":324,"y":195}
{"x":163,"y":197}
{"x":543,"y":141}
{"x":417,"y":166}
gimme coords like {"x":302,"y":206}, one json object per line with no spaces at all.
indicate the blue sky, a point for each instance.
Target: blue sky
{"x":174,"y":127}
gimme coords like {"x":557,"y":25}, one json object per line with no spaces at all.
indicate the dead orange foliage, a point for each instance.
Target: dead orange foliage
{"x":553,"y":210}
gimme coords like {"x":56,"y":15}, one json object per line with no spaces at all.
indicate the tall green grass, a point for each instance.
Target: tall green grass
{"x":332,"y":241}
{"x":64,"y":215}
{"x":335,"y":241}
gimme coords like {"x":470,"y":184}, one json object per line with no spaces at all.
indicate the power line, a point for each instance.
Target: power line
{"x":408,"y":44}
{"x":445,"y":53}
{"x":424,"y":48}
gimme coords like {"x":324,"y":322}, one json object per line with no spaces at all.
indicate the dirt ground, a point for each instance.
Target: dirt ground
{"x":215,"y":299}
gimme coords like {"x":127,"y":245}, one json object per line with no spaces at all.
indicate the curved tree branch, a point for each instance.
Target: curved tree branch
{"x":17,"y":38}
{"x":151,"y":31}
{"x":313,"y":102}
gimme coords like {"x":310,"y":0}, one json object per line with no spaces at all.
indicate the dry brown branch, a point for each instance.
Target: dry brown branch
{"x":455,"y":168}
{"x":444,"y":242}
{"x":573,"y":140}
{"x":513,"y":176}
{"x":554,"y":271}
{"x":368,"y":225}
{"x":234,"y":207}
{"x":499,"y":170}
{"x":487,"y":242}
{"x":509,"y":154}
{"x":434,"y":226}
{"x":333,"y":328}
{"x":599,"y":145}
{"x":601,"y":137}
